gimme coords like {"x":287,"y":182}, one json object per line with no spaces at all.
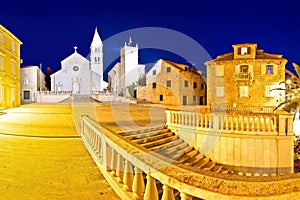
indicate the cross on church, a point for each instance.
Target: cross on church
{"x":75,"y":48}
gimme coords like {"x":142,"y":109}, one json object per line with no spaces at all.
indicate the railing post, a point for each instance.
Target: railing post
{"x":113,"y":165}
{"x":120,"y":168}
{"x":151,"y":189}
{"x":167,"y":193}
{"x":168,"y":115}
{"x":138,"y":185}
{"x":185,"y":196}
{"x":128,"y":176}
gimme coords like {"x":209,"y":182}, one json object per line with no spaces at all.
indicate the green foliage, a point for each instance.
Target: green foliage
{"x":142,"y":80}
{"x":131,"y":89}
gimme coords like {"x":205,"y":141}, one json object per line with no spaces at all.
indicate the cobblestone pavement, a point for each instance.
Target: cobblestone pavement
{"x":42,"y":157}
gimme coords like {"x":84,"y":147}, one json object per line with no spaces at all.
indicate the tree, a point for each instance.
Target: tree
{"x":292,"y":96}
{"x":48,"y":78}
{"x":131,"y":89}
{"x":142,"y":80}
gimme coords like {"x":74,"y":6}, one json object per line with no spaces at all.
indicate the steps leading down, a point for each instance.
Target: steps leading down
{"x":163,"y":141}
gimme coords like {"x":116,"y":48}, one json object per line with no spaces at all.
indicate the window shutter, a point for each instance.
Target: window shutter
{"x":239,"y":51}
{"x":248,"y":50}
{"x":263,"y":69}
{"x":275,"y":69}
{"x":237,"y":69}
{"x":267,"y":91}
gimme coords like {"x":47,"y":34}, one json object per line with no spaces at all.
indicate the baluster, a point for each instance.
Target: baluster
{"x":258,"y":124}
{"x":247,"y":123}
{"x":197,"y":120}
{"x":120,"y":168}
{"x":167,"y":193}
{"x":151,"y":189}
{"x":237,"y":122}
{"x":128,"y":176}
{"x":138,"y":185}
{"x":179,"y":118}
{"x":201,"y":120}
{"x":232,"y":123}
{"x":242,"y":123}
{"x":191,"y":119}
{"x":205,"y":121}
{"x":185,"y":196}
{"x":113,"y":165}
{"x":253,"y":123}
{"x":263,"y":123}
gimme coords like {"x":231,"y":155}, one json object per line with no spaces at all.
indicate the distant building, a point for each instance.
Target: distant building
{"x":127,"y":71}
{"x":32,"y":81}
{"x":78,"y":75}
{"x":9,"y":69}
{"x":246,"y":77}
{"x":175,"y":84}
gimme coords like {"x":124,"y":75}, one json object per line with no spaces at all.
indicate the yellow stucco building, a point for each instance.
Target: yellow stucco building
{"x":9,"y":69}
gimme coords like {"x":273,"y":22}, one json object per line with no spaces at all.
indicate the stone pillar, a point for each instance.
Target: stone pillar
{"x":151,"y":189}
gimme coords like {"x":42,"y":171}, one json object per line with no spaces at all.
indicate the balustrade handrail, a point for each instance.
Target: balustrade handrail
{"x":187,"y":180}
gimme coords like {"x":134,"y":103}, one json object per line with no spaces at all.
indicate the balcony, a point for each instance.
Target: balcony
{"x":244,"y":76}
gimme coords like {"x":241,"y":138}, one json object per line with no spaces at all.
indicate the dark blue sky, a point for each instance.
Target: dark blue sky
{"x":50,"y":29}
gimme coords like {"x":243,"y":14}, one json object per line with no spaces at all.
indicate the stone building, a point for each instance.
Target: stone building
{"x":78,"y":75}
{"x":32,"y":81}
{"x":170,"y":83}
{"x":9,"y":69}
{"x":246,"y":77}
{"x":127,"y":71}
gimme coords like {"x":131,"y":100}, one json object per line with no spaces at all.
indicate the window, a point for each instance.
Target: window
{"x":195,"y":84}
{"x":220,"y":71}
{"x":269,"y":91}
{"x":168,"y":69}
{"x":244,"y":68}
{"x":194,"y":98}
{"x":13,"y":46}
{"x":1,"y":93}
{"x":244,"y":91}
{"x":26,"y":95}
{"x":168,"y":83}
{"x":26,"y":82}
{"x":269,"y":69}
{"x":161,"y":97}
{"x":13,"y":94}
{"x":153,"y":85}
{"x":1,"y":63}
{"x":154,"y":72}
{"x":186,"y":83}
{"x":25,"y":71}
{"x":13,"y":68}
{"x":220,"y":91}
{"x":244,"y":50}
{"x":202,"y":86}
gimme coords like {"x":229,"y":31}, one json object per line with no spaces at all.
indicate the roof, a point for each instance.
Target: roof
{"x":260,"y":54}
{"x":10,"y":34}
{"x":180,"y":66}
{"x":96,"y":39}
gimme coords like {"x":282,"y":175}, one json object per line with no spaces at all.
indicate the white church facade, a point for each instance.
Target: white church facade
{"x":81,"y":76}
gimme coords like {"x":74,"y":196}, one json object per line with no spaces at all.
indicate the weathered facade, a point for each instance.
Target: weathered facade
{"x":174,"y":84}
{"x":32,"y":80}
{"x":9,"y":69}
{"x":246,"y":77}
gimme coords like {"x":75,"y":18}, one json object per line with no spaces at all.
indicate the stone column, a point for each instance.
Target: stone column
{"x":151,"y":189}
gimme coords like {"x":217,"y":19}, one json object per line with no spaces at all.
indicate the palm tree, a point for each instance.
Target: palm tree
{"x":292,"y":96}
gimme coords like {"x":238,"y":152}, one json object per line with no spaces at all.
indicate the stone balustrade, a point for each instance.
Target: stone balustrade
{"x":265,"y":124}
{"x":125,"y":165}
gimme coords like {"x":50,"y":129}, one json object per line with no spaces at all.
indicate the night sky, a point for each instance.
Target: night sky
{"x":50,"y":29}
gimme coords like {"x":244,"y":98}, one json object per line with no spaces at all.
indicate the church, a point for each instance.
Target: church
{"x":81,"y":76}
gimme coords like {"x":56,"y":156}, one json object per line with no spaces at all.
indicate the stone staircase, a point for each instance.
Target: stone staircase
{"x":165,"y":142}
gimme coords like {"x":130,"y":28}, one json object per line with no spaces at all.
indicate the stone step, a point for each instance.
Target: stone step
{"x":166,"y":145}
{"x":175,"y":148}
{"x":159,"y":142}
{"x":201,"y":162}
{"x":142,"y":131}
{"x":209,"y":165}
{"x":146,"y":134}
{"x":153,"y":138}
{"x":188,"y":156}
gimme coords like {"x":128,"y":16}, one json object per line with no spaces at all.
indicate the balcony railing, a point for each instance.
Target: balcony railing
{"x":243,"y":76}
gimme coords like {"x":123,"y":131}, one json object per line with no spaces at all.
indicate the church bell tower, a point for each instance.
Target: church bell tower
{"x":96,"y":57}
